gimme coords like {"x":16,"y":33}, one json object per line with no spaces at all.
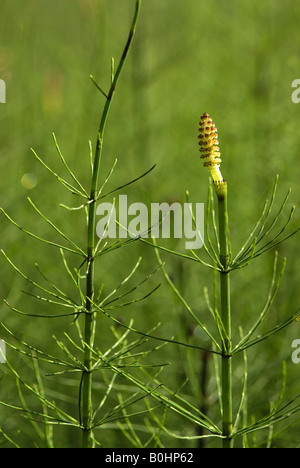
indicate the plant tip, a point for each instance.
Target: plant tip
{"x":209,"y":147}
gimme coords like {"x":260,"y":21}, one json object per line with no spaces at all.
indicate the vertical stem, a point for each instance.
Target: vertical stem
{"x":89,"y":331}
{"x":90,"y":314}
{"x":226,"y":377}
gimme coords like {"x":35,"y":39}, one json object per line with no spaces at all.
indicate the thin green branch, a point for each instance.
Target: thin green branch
{"x":271,"y":296}
{"x":82,"y":189}
{"x":148,"y":335}
{"x":66,"y":184}
{"x":183,"y":301}
{"x":45,"y":241}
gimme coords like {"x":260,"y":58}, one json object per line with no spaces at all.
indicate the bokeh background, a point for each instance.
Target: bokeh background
{"x":235,"y":60}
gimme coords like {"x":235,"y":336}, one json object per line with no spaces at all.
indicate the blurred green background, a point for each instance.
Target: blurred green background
{"x":235,"y":60}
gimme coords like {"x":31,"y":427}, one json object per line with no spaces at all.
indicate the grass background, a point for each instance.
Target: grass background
{"x":235,"y":60}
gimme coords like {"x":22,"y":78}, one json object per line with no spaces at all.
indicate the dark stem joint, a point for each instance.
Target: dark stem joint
{"x":227,"y":354}
{"x":225,"y":263}
{"x":99,"y":140}
{"x":90,"y":258}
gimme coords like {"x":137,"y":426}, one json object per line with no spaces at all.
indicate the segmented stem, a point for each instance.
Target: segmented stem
{"x":226,"y":378}
{"x":90,"y":313}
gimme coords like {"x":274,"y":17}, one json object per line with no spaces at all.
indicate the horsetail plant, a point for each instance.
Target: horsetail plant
{"x":233,"y":408}
{"x":80,"y":354}
{"x":208,"y":142}
{"x":90,"y":315}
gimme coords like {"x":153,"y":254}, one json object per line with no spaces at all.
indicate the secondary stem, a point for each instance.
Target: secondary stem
{"x":90,"y":314}
{"x":226,"y":377}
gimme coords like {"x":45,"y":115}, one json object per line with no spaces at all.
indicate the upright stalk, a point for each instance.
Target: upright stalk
{"x":90,"y":314}
{"x":210,"y":152}
{"x":226,"y":377}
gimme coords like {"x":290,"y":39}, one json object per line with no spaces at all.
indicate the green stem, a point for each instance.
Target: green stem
{"x":90,"y":314}
{"x":226,"y":377}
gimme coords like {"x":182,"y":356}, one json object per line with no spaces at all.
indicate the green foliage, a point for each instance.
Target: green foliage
{"x":155,"y":351}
